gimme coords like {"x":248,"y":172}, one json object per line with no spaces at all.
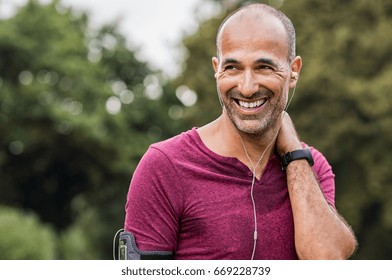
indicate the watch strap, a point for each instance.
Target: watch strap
{"x":296,"y":155}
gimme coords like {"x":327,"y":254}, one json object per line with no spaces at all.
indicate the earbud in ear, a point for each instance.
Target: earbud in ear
{"x":294,"y":76}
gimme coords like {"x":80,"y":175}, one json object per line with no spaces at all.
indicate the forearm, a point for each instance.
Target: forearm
{"x":320,"y":233}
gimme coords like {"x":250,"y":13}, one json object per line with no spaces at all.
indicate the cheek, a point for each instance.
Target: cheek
{"x":225,"y":84}
{"x":281,"y":96}
{"x":278,"y":86}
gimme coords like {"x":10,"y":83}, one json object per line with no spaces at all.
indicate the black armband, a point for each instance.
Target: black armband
{"x":128,"y":250}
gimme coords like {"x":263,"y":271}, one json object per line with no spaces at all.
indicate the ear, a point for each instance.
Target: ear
{"x":215,"y":65}
{"x":295,"y":67}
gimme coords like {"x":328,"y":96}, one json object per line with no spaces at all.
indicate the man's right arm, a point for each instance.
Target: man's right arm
{"x":153,"y":205}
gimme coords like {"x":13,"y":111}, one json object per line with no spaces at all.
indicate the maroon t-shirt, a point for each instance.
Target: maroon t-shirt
{"x":187,"y":199}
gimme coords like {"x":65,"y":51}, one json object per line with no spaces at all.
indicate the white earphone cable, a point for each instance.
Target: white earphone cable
{"x":254,"y":176}
{"x":252,"y":189}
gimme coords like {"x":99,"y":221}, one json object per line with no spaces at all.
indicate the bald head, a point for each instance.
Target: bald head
{"x":261,"y":14}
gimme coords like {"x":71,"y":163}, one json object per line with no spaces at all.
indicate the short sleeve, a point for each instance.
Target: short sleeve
{"x":324,"y":175}
{"x":154,"y":203}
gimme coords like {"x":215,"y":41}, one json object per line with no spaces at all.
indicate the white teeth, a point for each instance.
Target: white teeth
{"x":250,"y":105}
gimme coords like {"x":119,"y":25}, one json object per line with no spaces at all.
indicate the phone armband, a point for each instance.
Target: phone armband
{"x":128,"y":250}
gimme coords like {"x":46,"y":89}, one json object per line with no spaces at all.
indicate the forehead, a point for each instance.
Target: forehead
{"x":253,"y":32}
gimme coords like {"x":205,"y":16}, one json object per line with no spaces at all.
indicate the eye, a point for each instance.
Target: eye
{"x":230,"y":67}
{"x":264,"y":67}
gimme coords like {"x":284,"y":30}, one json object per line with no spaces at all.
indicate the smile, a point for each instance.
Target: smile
{"x":251,"y":105}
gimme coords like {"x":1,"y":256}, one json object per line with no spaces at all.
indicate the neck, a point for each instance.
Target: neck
{"x":258,"y":150}
{"x":252,"y":150}
{"x":254,"y":144}
{"x":257,"y":154}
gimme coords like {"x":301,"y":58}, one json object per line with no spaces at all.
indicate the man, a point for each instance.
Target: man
{"x":219,"y":191}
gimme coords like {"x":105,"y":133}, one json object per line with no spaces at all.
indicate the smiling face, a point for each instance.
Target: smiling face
{"x":253,"y":73}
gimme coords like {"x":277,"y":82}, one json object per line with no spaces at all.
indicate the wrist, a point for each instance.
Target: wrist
{"x":297,"y":155}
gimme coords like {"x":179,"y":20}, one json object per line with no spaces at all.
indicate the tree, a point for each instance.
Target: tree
{"x":23,"y":236}
{"x":77,"y":111}
{"x":348,"y":67}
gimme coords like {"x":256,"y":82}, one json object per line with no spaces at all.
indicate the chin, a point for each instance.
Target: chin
{"x":251,"y":128}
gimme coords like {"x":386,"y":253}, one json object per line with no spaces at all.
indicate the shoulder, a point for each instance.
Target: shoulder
{"x":175,"y":145}
{"x":171,"y":148}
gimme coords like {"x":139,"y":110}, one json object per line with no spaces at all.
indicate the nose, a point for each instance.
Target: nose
{"x":248,"y":83}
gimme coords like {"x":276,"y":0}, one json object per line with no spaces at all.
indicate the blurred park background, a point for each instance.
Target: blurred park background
{"x":78,"y":110}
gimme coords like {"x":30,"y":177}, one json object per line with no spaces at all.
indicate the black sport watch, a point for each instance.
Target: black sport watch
{"x":295,"y":155}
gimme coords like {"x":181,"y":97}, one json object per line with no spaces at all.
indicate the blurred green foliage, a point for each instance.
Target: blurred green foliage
{"x":24,"y":237}
{"x":343,"y":108}
{"x":78,"y":110}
